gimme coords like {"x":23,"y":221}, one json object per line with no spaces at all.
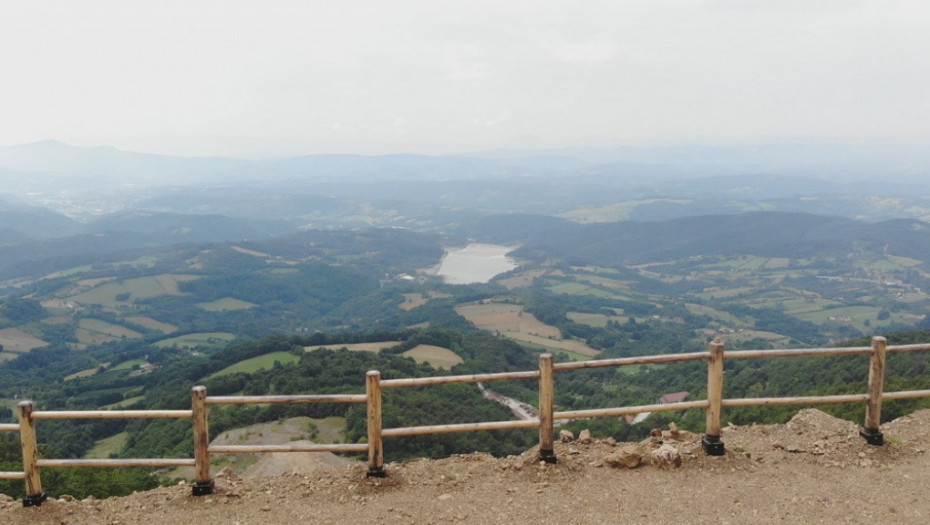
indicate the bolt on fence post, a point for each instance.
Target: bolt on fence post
{"x":27,"y":436}
{"x":204,"y":484}
{"x":375,"y":442}
{"x":873,"y":410}
{"x":711,"y":442}
{"x":546,"y":404}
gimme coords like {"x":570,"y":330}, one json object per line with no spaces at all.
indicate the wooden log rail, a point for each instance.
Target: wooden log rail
{"x":711,"y":441}
{"x":200,"y":403}
{"x":11,"y":475}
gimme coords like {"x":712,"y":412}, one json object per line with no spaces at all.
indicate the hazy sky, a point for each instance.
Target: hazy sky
{"x":275,"y":77}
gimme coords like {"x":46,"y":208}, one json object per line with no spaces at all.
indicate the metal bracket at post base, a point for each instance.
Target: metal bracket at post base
{"x":203,"y":488}
{"x":376,"y":473}
{"x":712,"y":445}
{"x":548,"y":456}
{"x":872,"y":436}
{"x":35,"y":500}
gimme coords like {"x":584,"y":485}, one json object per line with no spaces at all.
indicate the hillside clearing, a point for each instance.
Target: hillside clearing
{"x":15,"y":340}
{"x":435,"y":356}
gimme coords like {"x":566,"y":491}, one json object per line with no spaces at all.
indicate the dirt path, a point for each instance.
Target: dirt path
{"x":812,"y":470}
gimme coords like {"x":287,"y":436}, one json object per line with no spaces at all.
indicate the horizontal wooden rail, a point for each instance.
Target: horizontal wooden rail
{"x":910,"y":394}
{"x":627,"y":361}
{"x":11,"y":427}
{"x":297,"y":399}
{"x":12,"y":475}
{"x":444,"y":380}
{"x":624,"y":411}
{"x":255,"y":449}
{"x":113,"y":414}
{"x":461,"y":427}
{"x":808,"y":400}
{"x":797,"y":352}
{"x":901,"y":349}
{"x":115,"y":463}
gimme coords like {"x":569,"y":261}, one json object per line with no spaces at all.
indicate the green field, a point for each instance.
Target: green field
{"x":92,"y":331}
{"x":197,"y":339}
{"x":576,"y":288}
{"x":254,"y":364}
{"x":124,"y":403}
{"x":104,"y":448}
{"x":840,"y":314}
{"x":595,"y":320}
{"x":148,"y":287}
{"x":151,"y":324}
{"x":226,"y":304}
{"x":127,"y":365}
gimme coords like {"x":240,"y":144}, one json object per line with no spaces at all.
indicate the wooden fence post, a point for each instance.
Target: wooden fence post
{"x":27,"y":436}
{"x":873,"y":410}
{"x":711,"y":442}
{"x":204,"y":484}
{"x":375,"y":440}
{"x":546,"y":403}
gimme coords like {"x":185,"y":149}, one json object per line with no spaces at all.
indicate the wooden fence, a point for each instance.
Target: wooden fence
{"x":711,"y":440}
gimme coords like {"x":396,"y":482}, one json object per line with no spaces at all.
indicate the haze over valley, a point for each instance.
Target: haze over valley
{"x":273,"y":200}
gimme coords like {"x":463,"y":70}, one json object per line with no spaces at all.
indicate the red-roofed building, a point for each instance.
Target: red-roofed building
{"x":676,"y":397}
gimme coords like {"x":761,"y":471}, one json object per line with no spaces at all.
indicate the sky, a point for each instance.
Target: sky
{"x":286,"y":77}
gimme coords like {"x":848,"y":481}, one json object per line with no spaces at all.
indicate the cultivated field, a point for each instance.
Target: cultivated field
{"x":521,"y":280}
{"x":511,"y":321}
{"x":151,"y":324}
{"x":105,"y":291}
{"x":104,"y":448}
{"x":413,"y":300}
{"x":254,"y":364}
{"x":435,"y":356}
{"x":93,"y":331}
{"x":15,"y":340}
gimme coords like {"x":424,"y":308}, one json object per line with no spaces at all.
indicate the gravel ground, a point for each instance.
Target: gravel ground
{"x":814,"y":469}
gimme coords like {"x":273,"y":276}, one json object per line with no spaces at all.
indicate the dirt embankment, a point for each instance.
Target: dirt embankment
{"x":814,"y":469}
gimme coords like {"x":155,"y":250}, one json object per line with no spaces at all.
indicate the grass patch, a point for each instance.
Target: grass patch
{"x":129,"y":401}
{"x":254,"y":364}
{"x":104,"y":448}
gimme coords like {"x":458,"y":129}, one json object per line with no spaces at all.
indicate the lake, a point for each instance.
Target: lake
{"x":475,"y":263}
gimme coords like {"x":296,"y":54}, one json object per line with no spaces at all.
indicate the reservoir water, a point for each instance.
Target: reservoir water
{"x":475,"y":263}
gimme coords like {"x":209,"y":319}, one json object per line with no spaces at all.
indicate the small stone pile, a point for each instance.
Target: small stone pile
{"x":664,"y":449}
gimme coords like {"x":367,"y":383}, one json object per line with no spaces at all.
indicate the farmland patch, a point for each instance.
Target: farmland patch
{"x":104,"y":448}
{"x":521,"y":280}
{"x":254,"y":364}
{"x":15,"y":340}
{"x":435,"y":356}
{"x":152,"y":324}
{"x":413,"y":300}
{"x":92,"y":331}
